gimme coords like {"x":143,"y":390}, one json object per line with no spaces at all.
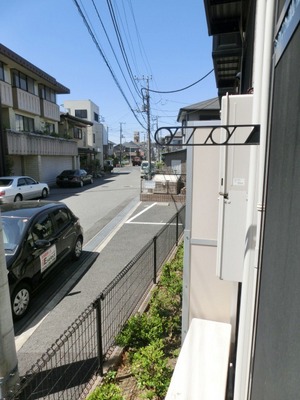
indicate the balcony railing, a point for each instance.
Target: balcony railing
{"x":26,"y":101}
{"x":25,"y":143}
{"x":6,"y":94}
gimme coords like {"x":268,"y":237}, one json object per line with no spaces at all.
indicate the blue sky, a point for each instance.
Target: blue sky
{"x":165,"y":40}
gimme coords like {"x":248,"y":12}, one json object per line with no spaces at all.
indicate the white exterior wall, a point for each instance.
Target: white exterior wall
{"x":205,"y":296}
{"x":96,"y":129}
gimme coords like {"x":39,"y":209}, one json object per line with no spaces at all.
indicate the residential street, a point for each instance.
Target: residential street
{"x":119,"y":238}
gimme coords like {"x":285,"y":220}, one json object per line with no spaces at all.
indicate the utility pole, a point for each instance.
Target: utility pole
{"x":121,"y":123}
{"x":146,"y":108}
{"x":8,"y":354}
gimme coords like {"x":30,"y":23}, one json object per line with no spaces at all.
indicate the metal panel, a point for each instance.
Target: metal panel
{"x":277,"y":348}
{"x":233,"y":188}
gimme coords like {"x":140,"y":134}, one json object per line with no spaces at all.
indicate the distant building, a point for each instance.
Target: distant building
{"x":97,"y":136}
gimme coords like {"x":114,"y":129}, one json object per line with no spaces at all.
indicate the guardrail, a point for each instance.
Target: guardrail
{"x":71,"y":365}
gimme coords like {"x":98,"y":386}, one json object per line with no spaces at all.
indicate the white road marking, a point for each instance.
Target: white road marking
{"x":140,"y":213}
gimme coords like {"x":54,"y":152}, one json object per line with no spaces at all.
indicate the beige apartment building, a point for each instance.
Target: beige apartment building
{"x":34,"y":139}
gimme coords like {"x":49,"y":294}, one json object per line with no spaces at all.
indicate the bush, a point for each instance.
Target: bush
{"x":140,"y":330}
{"x":151,"y":337}
{"x":149,"y":366}
{"x":109,"y":390}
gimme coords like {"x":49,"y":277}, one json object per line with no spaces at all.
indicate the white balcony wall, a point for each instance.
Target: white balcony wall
{"x":26,"y":101}
{"x":33,"y":144}
{"x":6,"y":94}
{"x":50,"y":110}
{"x":205,"y":295}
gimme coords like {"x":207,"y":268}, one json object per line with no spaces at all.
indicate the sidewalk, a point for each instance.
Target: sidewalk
{"x":116,"y":245}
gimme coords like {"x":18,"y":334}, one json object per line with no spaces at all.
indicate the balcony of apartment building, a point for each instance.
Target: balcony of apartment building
{"x":6,"y":97}
{"x":43,"y":105}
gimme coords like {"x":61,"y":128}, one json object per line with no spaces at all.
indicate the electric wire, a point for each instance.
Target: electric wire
{"x":105,"y":60}
{"x":114,"y":53}
{"x":121,"y":44}
{"x":180,"y":90}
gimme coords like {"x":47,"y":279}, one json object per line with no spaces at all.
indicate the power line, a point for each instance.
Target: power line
{"x":121,"y":44}
{"x":111,"y":46}
{"x":106,"y":61}
{"x":187,"y":87}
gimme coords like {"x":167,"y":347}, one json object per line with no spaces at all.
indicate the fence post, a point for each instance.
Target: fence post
{"x":177,"y":227}
{"x":97,"y":306}
{"x":154,"y":259}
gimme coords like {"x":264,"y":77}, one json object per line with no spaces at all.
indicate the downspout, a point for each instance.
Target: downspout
{"x":262,"y":63}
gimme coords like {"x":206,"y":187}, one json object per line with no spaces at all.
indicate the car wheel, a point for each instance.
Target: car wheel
{"x":20,"y":300}
{"x":77,"y":250}
{"x":18,"y":198}
{"x":44,"y":193}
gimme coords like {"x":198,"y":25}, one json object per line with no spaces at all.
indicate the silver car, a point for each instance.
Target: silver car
{"x":18,"y":188}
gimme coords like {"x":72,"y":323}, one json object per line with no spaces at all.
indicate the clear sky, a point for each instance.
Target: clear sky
{"x":164,"y":40}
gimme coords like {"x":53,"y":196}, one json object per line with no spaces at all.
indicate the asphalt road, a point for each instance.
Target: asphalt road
{"x":58,"y":304}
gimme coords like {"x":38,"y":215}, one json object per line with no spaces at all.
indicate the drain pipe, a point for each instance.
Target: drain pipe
{"x":261,"y":99}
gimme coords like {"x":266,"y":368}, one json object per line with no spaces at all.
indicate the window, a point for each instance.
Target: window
{"x":96,"y":117}
{"x":23,"y":81}
{"x":1,"y":71}
{"x":47,"y":94}
{"x":24,"y":124}
{"x":43,"y":229}
{"x":77,"y":133}
{"x":61,"y":217}
{"x":94,"y":138}
{"x":81,"y":113}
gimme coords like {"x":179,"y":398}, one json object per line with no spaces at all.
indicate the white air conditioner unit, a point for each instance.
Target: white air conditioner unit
{"x":233,"y":189}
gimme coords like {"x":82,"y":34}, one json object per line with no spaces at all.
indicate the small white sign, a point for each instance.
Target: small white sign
{"x":48,"y":258}
{"x":149,"y":184}
{"x":238,"y":181}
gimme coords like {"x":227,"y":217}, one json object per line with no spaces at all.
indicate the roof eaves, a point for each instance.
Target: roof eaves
{"x":59,"y":88}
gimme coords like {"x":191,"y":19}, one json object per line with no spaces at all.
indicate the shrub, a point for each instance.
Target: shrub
{"x":109,"y":390}
{"x":149,"y":366}
{"x":140,"y":330}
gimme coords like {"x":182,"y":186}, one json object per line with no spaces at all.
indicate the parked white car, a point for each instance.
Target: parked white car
{"x":18,"y":188}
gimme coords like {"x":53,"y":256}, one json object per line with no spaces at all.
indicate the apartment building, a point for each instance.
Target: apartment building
{"x":29,"y":121}
{"x":97,"y":134}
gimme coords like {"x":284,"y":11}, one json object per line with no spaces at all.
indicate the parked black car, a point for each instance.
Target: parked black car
{"x":37,"y":236}
{"x":73,"y":177}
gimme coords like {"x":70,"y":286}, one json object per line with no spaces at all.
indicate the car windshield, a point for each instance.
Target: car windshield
{"x":5,"y":182}
{"x":13,"y":228}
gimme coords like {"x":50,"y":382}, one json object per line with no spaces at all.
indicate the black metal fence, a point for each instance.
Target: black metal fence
{"x":71,"y":365}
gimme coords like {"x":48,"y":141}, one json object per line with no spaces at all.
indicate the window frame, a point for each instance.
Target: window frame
{"x":81,"y":113}
{"x":23,"y":81}
{"x":24,"y":124}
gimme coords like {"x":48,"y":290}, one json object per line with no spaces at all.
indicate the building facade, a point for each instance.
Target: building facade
{"x":97,"y":134}
{"x":30,"y":117}
{"x":241,"y":268}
